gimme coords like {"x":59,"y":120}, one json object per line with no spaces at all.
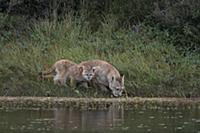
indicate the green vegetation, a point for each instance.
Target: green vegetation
{"x":151,"y":57}
{"x":152,"y":67}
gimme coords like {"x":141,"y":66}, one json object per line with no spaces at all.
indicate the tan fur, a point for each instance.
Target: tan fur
{"x":80,"y":74}
{"x":58,"y":71}
{"x":106,"y":76}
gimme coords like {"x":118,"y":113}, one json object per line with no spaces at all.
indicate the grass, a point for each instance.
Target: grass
{"x":152,"y":67}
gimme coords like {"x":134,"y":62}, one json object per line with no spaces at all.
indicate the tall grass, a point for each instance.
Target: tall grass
{"x":152,"y":67}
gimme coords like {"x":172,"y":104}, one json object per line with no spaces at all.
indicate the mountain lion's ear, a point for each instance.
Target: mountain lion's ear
{"x":95,"y":68}
{"x":81,"y":68}
{"x":122,"y":79}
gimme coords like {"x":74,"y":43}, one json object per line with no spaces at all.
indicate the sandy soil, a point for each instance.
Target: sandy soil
{"x":94,"y":103}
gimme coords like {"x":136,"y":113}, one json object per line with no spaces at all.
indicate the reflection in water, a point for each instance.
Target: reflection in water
{"x":115,"y":120}
{"x":93,"y":120}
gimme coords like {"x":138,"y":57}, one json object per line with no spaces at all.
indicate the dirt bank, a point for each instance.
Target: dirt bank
{"x":95,"y":103}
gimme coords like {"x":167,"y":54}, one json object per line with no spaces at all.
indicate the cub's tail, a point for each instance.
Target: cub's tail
{"x":47,"y":73}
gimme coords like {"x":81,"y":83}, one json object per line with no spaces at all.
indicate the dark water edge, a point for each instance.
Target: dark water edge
{"x":114,"y":119}
{"x":113,"y":115}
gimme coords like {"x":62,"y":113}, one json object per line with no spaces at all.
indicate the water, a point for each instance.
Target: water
{"x":115,"y":120}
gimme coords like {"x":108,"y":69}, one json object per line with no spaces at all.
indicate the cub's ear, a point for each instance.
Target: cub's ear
{"x":81,"y":68}
{"x":95,"y":68}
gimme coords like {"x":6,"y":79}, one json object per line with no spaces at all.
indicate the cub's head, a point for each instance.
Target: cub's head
{"x":88,"y":72}
{"x":117,"y":86}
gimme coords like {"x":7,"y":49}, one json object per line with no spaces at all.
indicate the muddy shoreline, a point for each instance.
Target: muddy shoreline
{"x":95,"y":103}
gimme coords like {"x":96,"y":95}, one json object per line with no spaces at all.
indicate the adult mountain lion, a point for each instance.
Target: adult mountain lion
{"x":106,"y":76}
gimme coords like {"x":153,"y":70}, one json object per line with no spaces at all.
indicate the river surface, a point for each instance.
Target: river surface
{"x":115,"y":119}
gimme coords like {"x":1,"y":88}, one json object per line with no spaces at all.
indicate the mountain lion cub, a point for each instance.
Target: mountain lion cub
{"x":58,"y":71}
{"x":66,"y":70}
{"x":80,"y":75}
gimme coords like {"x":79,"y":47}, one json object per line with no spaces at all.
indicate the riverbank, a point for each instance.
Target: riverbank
{"x":95,"y":103}
{"x":153,"y":67}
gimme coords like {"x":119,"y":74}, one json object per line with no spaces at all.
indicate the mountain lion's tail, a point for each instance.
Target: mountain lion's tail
{"x":47,"y":73}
